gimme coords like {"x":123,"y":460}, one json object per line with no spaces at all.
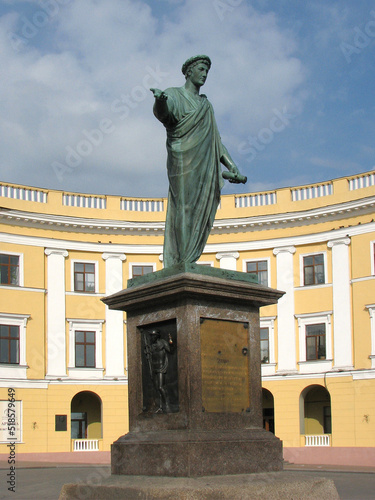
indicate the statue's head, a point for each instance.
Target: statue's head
{"x":190,"y":63}
{"x":155,"y":335}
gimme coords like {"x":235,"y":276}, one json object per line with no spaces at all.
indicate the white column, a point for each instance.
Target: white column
{"x":228,"y":260}
{"x":56,"y":335}
{"x":114,"y":320}
{"x":342,"y":316}
{"x":285,"y":310}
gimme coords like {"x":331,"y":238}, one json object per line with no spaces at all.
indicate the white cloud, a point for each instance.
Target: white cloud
{"x":99,"y":61}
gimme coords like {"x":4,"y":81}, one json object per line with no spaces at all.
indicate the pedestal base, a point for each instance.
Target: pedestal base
{"x":271,"y":486}
{"x":196,"y":453}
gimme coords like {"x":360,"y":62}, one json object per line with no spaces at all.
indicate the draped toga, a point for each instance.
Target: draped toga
{"x":194,"y":150}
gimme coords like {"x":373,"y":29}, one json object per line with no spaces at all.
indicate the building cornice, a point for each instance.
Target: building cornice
{"x":281,"y":220}
{"x":148,"y":249}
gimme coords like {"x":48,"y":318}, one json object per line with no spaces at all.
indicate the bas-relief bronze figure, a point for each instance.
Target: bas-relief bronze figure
{"x":195,"y":152}
{"x":157,"y":352}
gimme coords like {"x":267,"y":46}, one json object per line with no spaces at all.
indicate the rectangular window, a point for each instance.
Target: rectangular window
{"x":9,"y":269}
{"x":84,"y":277}
{"x":259,"y":269}
{"x":141,"y":270}
{"x":84,"y":349}
{"x":315,"y":342}
{"x":9,"y":344}
{"x":313,"y":269}
{"x":264,"y":345}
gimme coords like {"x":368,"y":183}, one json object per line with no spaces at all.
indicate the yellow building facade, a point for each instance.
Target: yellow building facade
{"x":63,"y":359}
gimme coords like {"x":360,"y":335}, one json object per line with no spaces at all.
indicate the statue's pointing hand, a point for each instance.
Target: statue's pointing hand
{"x":159,"y":94}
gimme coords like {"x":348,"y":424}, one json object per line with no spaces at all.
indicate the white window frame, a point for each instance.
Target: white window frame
{"x":259,"y":259}
{"x":314,"y":366}
{"x":371,"y":310}
{"x":20,"y":268}
{"x":132,"y":264}
{"x":270,"y":367}
{"x":301,"y":257}
{"x":83,"y":261}
{"x":89,"y":326}
{"x":16,"y":371}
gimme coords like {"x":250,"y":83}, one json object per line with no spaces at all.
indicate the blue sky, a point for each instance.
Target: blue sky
{"x":292,"y":85}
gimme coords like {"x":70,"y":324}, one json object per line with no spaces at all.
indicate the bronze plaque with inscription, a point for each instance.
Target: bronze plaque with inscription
{"x":225,"y":367}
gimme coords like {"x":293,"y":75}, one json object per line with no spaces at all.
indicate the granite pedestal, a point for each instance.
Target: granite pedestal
{"x":208,"y":418}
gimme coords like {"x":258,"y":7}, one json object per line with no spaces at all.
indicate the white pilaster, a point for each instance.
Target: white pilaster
{"x":342,"y":316}
{"x":285,"y":310}
{"x":228,"y":260}
{"x":114,"y":338}
{"x":56,"y":336}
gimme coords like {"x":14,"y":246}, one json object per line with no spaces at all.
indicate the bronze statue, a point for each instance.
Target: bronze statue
{"x":156,"y":351}
{"x":195,"y":152}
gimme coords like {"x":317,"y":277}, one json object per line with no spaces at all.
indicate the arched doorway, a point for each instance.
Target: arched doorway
{"x":315,"y":415}
{"x":86,"y":420}
{"x":268,"y":411}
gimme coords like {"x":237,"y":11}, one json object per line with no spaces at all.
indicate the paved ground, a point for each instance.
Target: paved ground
{"x":43,"y":481}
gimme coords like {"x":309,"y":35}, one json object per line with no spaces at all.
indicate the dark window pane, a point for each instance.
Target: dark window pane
{"x":262,"y":265}
{"x":14,"y":351}
{"x":263,"y":278}
{"x":319,"y":259}
{"x":310,"y":348}
{"x":90,"y":337}
{"x":4,"y":259}
{"x":14,"y":331}
{"x":264,"y":333}
{"x":14,"y":272}
{"x":327,"y":420}
{"x":78,"y":267}
{"x":251,"y":266}
{"x":90,"y":268}
{"x":14,"y":260}
{"x":75,"y":426}
{"x":78,"y":282}
{"x":309,"y":276}
{"x":4,"y":270}
{"x":90,"y":283}
{"x":264,"y":351}
{"x":80,"y":355}
{"x":4,"y":351}
{"x":80,"y":336}
{"x":141,"y":270}
{"x":76,"y":415}
{"x":90,"y":356}
{"x":318,"y":329}
{"x":319,"y":274}
{"x":308,"y":261}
